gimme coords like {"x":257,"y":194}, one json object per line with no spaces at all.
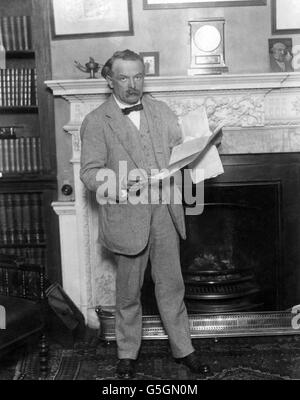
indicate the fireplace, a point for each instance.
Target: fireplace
{"x":228,"y":265}
{"x":261,"y":185}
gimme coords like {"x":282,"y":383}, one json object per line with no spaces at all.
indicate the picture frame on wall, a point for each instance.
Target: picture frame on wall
{"x":285,"y":16}
{"x":158,"y":4}
{"x":91,"y":18}
{"x":151,"y":62}
{"x":281,"y":54}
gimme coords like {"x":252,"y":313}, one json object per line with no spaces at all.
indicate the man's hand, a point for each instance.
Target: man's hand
{"x":133,"y":185}
{"x":218,"y":139}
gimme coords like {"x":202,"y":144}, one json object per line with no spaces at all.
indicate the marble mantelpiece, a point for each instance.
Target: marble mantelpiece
{"x":263,"y":116}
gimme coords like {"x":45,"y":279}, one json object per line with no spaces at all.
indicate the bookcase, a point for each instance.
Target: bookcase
{"x":28,"y":225}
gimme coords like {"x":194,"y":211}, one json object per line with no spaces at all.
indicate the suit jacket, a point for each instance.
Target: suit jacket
{"x":124,"y":228}
{"x":276,"y":68}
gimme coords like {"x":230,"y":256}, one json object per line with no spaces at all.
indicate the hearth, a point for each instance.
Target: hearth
{"x":226,"y":256}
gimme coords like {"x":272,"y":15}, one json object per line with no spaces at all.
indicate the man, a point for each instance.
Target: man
{"x":140,"y":131}
{"x":280,"y":58}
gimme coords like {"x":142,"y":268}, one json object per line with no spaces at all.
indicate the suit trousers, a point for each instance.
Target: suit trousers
{"x":163,"y":250}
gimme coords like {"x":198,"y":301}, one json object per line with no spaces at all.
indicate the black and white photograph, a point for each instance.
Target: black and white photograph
{"x":151,"y":62}
{"x":149,"y":194}
{"x":281,"y":56}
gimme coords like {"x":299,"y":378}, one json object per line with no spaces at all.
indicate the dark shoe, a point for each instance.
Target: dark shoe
{"x":125,"y":368}
{"x":193,"y":363}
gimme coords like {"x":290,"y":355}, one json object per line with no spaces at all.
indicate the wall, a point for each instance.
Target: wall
{"x":247,"y":30}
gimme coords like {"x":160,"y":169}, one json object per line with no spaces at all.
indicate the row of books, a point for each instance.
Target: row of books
{"x":20,"y":155}
{"x":15,"y":33}
{"x":33,"y":255}
{"x":21,"y":219}
{"x":18,"y":87}
{"x":7,"y":132}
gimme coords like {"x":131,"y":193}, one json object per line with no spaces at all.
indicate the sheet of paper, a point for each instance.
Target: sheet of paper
{"x":195,"y":125}
{"x":197,"y":150}
{"x":207,"y":166}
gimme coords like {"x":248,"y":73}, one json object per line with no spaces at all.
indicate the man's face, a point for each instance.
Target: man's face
{"x":279,"y":51}
{"x":127,"y":80}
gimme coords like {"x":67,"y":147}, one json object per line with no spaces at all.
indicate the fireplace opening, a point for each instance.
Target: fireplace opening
{"x":231,"y":258}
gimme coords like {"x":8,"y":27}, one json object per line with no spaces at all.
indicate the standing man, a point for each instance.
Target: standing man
{"x":141,"y":132}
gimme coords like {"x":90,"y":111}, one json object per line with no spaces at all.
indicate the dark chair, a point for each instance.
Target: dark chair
{"x":23,"y":311}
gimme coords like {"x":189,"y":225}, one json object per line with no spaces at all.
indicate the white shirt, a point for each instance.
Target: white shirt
{"x":135,"y":116}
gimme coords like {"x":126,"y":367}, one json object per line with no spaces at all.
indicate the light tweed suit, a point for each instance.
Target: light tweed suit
{"x":138,"y":232}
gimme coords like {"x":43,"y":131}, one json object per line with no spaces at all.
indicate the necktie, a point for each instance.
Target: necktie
{"x":127,"y":110}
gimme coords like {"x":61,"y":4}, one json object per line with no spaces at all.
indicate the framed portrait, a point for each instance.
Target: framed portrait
{"x":285,"y":16}
{"x":91,"y":18}
{"x":156,"y":4}
{"x":281,"y":55}
{"x":151,"y":62}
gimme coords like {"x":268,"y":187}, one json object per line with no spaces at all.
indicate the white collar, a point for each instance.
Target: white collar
{"x":122,"y":105}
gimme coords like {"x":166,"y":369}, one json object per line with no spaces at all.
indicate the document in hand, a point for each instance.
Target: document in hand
{"x":198,"y":150}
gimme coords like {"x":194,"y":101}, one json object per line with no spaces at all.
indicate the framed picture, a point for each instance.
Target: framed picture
{"x":281,"y":55}
{"x":156,"y":4}
{"x":151,"y":62}
{"x":91,"y":18}
{"x":285,"y":16}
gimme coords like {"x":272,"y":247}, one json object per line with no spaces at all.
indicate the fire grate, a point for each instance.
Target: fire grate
{"x":208,"y":325}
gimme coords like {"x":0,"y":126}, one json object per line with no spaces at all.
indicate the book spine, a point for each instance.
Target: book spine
{"x":12,"y":153}
{"x":17,"y":97}
{"x":4,"y":97}
{"x":5,"y":156}
{"x":12,"y":87}
{"x":34,"y":151}
{"x":5,"y":33}
{"x":37,"y":235}
{"x":31,"y":88}
{"x":22,"y":87}
{"x":28,"y":155}
{"x":26,"y":79}
{"x":25,"y":32}
{"x":1,"y":157}
{"x":9,"y":218}
{"x":29,"y":33}
{"x":14,"y":223}
{"x":18,"y":218}
{"x":2,"y":50}
{"x":8,"y":87}
{"x":22,"y":154}
{"x":39,"y":155}
{"x":19,"y":33}
{"x":26,"y":218}
{"x":12,"y":21}
{"x":1,"y":87}
{"x":36,"y":88}
{"x":3,"y":219}
{"x":17,"y":155}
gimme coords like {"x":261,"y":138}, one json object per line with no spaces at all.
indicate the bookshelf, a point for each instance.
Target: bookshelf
{"x":28,"y":225}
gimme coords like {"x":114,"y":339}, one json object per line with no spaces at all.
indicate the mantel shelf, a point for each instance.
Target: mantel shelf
{"x":182,"y":83}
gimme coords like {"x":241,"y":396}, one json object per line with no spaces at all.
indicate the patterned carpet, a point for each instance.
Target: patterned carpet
{"x":259,"y":358}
